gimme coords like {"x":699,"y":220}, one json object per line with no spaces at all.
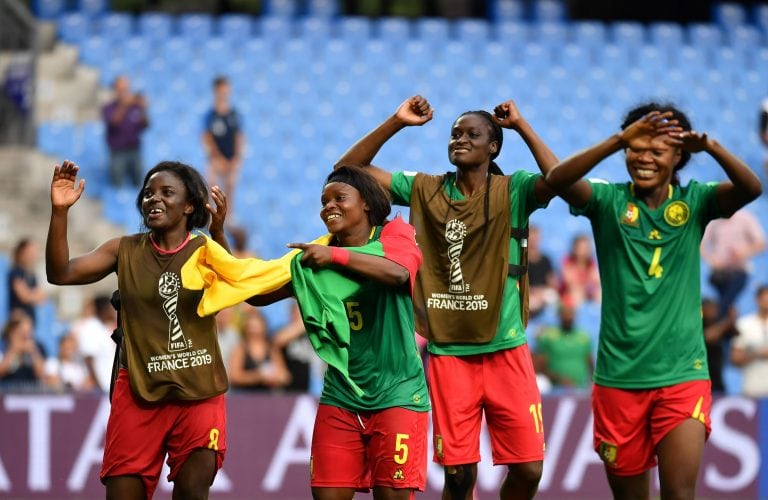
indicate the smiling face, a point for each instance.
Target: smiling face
{"x":651,"y":162}
{"x":344,"y":210}
{"x":165,"y":202}
{"x":471,"y":143}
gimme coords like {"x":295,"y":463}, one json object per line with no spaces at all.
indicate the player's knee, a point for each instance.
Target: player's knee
{"x":459,"y":480}
{"x":527,"y":472}
{"x":190,"y":489}
{"x":678,"y":491}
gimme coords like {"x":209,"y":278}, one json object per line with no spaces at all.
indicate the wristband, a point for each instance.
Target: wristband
{"x":339,"y":256}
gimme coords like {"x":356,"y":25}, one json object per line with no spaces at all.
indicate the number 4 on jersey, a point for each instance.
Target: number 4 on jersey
{"x":655,"y":269}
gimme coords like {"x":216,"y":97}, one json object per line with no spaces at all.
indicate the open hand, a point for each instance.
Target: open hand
{"x":691,"y":141}
{"x":64,"y":190}
{"x":219,"y":213}
{"x":314,"y":255}
{"x":653,"y":124}
{"x":414,"y":111}
{"x":507,"y":115}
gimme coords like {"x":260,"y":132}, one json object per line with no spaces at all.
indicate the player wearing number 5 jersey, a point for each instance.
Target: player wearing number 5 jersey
{"x":371,"y":426}
{"x":168,"y":396}
{"x":652,"y":393}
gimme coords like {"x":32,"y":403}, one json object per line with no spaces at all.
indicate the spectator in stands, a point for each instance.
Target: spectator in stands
{"x":223,"y":139}
{"x":541,"y":275}
{"x":727,"y":246}
{"x":254,"y":363}
{"x":750,"y":349}
{"x":68,"y":371}
{"x":125,"y":119}
{"x":292,"y":342}
{"x":764,"y":129}
{"x":240,"y":242}
{"x":717,"y":329}
{"x":564,"y":353}
{"x":94,"y":340}
{"x":23,"y":290}
{"x":23,"y":359}
{"x":579,"y":274}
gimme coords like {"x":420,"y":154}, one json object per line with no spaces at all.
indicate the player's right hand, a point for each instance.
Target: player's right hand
{"x":64,"y":190}
{"x":414,"y":111}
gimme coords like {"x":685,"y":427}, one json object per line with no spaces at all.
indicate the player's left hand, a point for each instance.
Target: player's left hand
{"x":218,"y":214}
{"x":691,"y":141}
{"x":507,"y":115}
{"x":314,"y":255}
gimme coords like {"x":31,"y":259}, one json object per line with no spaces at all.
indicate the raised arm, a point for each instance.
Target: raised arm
{"x":508,"y":116}
{"x":566,"y":177}
{"x":372,"y":267}
{"x":744,"y":185}
{"x":218,"y":215}
{"x":60,"y":269}
{"x":415,"y":111}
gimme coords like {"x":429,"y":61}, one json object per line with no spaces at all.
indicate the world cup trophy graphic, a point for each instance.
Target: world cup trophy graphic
{"x":455,"y":231}
{"x":168,"y":286}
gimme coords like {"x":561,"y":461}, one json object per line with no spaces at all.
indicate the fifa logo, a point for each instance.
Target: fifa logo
{"x":455,"y":232}
{"x":168,"y":286}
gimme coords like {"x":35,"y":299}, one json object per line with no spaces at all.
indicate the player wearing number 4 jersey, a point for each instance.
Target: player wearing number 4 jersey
{"x":652,"y":393}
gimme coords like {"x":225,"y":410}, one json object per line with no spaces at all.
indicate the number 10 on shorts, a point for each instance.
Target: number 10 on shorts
{"x":401,"y":449}
{"x":538,"y":421}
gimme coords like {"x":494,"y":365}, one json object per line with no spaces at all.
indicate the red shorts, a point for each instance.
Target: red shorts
{"x":503,"y":385}
{"x":139,"y":434}
{"x":365,"y":449}
{"x":630,"y":423}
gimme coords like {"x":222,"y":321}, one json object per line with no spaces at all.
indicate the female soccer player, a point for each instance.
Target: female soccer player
{"x":372,"y":434}
{"x":652,"y":393}
{"x":466,"y":301}
{"x":168,"y":397}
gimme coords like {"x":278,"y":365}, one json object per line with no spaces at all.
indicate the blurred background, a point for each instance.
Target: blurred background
{"x":306,"y":78}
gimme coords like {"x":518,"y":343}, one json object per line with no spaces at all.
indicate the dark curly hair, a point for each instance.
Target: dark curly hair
{"x":197,"y":191}
{"x":375,"y":196}
{"x":682,"y":120}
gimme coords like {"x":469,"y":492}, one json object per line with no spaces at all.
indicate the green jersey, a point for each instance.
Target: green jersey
{"x":383,"y":358}
{"x":510,"y":331}
{"x":567,"y":353}
{"x":650,"y":328}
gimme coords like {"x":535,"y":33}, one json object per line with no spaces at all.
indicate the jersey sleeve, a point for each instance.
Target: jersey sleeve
{"x":398,"y":239}
{"x":706,"y":200}
{"x":523,"y":187}
{"x":401,"y":187}
{"x":601,"y":192}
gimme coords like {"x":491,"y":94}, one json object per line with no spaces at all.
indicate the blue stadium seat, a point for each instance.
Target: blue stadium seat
{"x":432,"y":30}
{"x":353,"y":29}
{"x":196,"y":27}
{"x":322,"y":8}
{"x":314,"y":29}
{"x":92,"y":8}
{"x":548,"y":11}
{"x":74,"y":27}
{"x":275,"y":30}
{"x":746,"y":37}
{"x":729,"y":15}
{"x":589,"y":34}
{"x":55,"y":138}
{"x":475,"y":31}
{"x":627,"y":33}
{"x":704,"y":35}
{"x":550,"y":34}
{"x":760,"y":17}
{"x":280,"y":8}
{"x":235,"y":27}
{"x":507,"y":10}
{"x":574,"y":58}
{"x":217,"y":53}
{"x":116,"y":26}
{"x":666,"y":33}
{"x":394,"y":29}
{"x":156,"y":26}
{"x":95,"y":51}
{"x":512,"y":33}
{"x":49,"y":9}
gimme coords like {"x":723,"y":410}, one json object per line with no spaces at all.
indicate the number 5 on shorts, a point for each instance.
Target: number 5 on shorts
{"x":401,"y":449}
